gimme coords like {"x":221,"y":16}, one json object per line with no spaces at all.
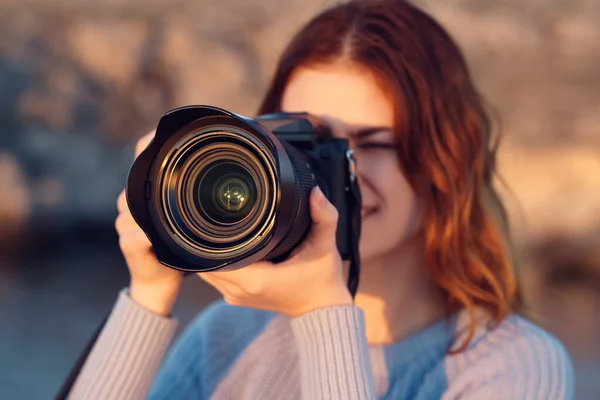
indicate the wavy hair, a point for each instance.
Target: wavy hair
{"x":443,"y":135}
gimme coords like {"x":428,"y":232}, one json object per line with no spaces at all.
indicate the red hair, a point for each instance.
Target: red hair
{"x":443,"y":135}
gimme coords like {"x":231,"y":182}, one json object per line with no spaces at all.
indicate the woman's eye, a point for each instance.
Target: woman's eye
{"x":376,"y":146}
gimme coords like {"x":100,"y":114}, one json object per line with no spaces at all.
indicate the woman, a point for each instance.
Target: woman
{"x":435,"y":315}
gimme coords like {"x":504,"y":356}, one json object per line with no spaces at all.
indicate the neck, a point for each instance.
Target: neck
{"x":397,"y":295}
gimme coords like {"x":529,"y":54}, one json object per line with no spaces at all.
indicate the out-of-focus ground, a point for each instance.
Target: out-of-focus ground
{"x":81,"y":80}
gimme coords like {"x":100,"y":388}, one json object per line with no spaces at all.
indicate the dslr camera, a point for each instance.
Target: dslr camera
{"x":216,"y":190}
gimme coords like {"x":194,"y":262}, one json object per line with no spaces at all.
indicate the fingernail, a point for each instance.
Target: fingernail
{"x":319,"y":196}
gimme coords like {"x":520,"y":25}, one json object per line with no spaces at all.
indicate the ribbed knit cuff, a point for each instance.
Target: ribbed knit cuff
{"x":127,"y":353}
{"x":334,"y":358}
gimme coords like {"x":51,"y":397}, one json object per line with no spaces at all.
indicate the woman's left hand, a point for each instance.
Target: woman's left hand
{"x":311,"y":278}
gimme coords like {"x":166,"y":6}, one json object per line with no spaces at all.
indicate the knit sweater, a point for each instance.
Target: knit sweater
{"x":240,"y":353}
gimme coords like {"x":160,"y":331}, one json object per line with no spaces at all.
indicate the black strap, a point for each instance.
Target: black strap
{"x":355,"y":220}
{"x":70,"y":381}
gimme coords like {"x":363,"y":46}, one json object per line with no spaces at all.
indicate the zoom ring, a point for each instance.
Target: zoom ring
{"x":305,"y":182}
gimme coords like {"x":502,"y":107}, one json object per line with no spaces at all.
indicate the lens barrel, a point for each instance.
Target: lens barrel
{"x":216,"y":190}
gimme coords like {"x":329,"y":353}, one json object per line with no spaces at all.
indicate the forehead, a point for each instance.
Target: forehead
{"x":346,"y":93}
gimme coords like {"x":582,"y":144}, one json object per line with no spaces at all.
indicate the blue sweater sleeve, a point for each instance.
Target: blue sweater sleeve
{"x":180,"y":374}
{"x":126,"y":355}
{"x":543,"y":373}
{"x":129,"y":351}
{"x":206,"y":351}
{"x":519,"y":360}
{"x":334,"y":359}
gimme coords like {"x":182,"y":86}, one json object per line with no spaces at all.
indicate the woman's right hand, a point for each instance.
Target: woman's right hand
{"x":153,"y":285}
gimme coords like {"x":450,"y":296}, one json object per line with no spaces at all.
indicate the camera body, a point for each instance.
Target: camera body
{"x":285,"y":154}
{"x":330,"y":158}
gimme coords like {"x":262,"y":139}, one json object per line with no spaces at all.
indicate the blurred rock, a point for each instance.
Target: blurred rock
{"x":537,"y":62}
{"x":552,"y":191}
{"x":562,"y":285}
{"x":93,"y":77}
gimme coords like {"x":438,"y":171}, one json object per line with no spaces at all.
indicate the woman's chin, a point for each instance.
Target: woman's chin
{"x":368,"y":249}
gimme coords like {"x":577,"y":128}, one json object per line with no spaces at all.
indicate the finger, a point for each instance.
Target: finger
{"x":295,"y":251}
{"x":251,"y":280}
{"x":143,"y":142}
{"x":324,"y":216}
{"x":208,"y":278}
{"x":125,"y":223}
{"x":250,"y":273}
{"x":222,"y":287}
{"x":135,"y":243}
{"x":250,"y":269}
{"x":122,"y":205}
{"x":211,"y":276}
{"x":121,"y":224}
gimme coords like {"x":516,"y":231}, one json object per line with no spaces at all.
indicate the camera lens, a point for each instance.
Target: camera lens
{"x":226,"y":193}
{"x":218,"y":194}
{"x":217,"y":190}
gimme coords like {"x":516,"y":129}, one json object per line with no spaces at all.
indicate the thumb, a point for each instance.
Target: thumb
{"x":143,"y":142}
{"x":322,"y":236}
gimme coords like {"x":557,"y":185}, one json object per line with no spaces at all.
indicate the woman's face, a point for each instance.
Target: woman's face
{"x":349,"y":98}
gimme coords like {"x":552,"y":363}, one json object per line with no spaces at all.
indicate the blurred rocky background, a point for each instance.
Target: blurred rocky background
{"x":81,"y":80}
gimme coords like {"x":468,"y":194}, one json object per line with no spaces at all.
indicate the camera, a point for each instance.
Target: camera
{"x":217,"y":190}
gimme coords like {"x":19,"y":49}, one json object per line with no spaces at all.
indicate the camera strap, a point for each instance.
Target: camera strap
{"x":74,"y":373}
{"x":355,"y":201}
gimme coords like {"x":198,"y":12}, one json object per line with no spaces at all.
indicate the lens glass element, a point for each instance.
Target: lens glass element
{"x":226,"y":192}
{"x":218,"y":193}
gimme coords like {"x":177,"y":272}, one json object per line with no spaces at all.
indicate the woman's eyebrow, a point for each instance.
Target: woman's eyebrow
{"x":366,"y":132}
